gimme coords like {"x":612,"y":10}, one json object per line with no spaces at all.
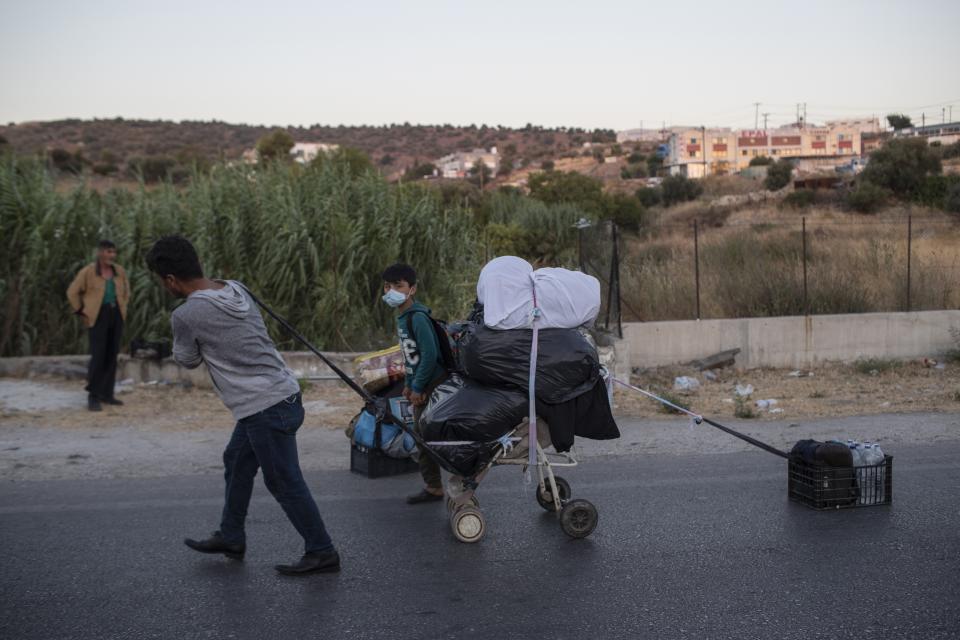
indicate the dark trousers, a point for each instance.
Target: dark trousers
{"x":105,"y":337}
{"x":267,"y":440}
{"x":429,"y":469}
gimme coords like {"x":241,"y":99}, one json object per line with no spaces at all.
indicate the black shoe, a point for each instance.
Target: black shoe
{"x":312,"y":562}
{"x":424,"y":496}
{"x":113,"y":401}
{"x":93,"y":404}
{"x":216,"y":544}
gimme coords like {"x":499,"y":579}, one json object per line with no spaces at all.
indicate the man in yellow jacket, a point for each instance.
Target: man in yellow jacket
{"x":100,"y":294}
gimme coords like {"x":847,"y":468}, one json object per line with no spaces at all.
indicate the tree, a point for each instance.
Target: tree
{"x":419,"y":171}
{"x":654,"y":164}
{"x":866,"y":198}
{"x":648,"y":196}
{"x":554,"y":187}
{"x":902,"y":166}
{"x":761,"y":161}
{"x":356,"y":161}
{"x":506,"y":166}
{"x":675,"y":189}
{"x":627,"y":212}
{"x":386,"y":160}
{"x":275,"y":145}
{"x":547,"y":165}
{"x":479,"y":173}
{"x":778,"y":175}
{"x":65,"y":161}
{"x":899,"y":121}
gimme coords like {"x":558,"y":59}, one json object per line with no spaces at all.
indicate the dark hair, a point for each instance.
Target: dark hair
{"x":174,"y":255}
{"x":106,"y":244}
{"x":398,"y":272}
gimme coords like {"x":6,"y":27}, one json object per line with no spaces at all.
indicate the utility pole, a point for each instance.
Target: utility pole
{"x":703,"y":148}
{"x":765,"y":121}
{"x":943,"y":115}
{"x":756,"y":115}
{"x":804,"y":123}
{"x":923,"y":119}
{"x":951,"y":112}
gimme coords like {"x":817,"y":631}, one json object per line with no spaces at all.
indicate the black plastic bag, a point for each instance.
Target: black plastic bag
{"x":462,"y":409}
{"x":567,"y":364}
{"x":467,"y":459}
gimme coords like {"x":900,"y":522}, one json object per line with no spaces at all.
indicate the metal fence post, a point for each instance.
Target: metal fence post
{"x":806,"y":306}
{"x":696,"y":261}
{"x":909,"y":251}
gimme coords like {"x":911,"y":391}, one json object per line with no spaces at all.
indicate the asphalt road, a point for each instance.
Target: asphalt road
{"x":687,"y":547}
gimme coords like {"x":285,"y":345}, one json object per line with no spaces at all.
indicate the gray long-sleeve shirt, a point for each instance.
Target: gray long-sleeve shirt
{"x":223,"y":328}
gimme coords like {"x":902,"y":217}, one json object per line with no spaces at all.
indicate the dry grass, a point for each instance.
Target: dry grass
{"x":752,"y":264}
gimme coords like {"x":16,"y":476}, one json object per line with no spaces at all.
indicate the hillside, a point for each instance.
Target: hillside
{"x":392,"y":147}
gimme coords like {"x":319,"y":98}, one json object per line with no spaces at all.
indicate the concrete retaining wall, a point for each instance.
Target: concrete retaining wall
{"x":793,"y":341}
{"x":303,"y":363}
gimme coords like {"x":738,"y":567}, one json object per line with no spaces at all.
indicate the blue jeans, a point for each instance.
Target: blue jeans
{"x":267,"y":440}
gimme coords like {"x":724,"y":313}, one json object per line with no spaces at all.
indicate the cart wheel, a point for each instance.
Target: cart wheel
{"x":545,"y":497}
{"x":452,"y":505}
{"x":578,"y":518}
{"x":468,"y":524}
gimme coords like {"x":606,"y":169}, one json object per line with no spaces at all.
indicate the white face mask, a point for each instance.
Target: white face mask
{"x":394,"y":298}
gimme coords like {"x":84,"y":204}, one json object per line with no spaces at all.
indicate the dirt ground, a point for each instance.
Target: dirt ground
{"x":46,"y":432}
{"x":831,"y":390}
{"x":57,"y":403}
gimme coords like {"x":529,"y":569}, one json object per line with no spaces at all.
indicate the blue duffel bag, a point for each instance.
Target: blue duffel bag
{"x":394,"y":441}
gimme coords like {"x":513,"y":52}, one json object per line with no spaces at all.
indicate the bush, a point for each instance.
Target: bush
{"x":800,"y":199}
{"x":934,"y":189}
{"x":152,"y":168}
{"x":554,"y":187}
{"x":951,"y":151}
{"x":636,"y":158}
{"x":676,"y":189}
{"x":65,"y":161}
{"x":547,"y":165}
{"x":418,"y":171}
{"x":901,"y":166}
{"x":866,"y":197}
{"x":743,"y":408}
{"x":951,"y":201}
{"x":105,"y":168}
{"x":761,"y":161}
{"x":627,"y":212}
{"x":275,"y":145}
{"x":778,"y":175}
{"x":633,"y":171}
{"x":874,"y":366}
{"x":649,"y":196}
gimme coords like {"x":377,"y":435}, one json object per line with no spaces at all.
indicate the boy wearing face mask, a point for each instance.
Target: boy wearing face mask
{"x":423,"y":360}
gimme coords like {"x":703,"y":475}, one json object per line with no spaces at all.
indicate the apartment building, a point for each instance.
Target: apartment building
{"x":700,"y":152}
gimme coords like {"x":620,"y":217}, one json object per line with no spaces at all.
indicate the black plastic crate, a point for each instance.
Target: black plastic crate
{"x":821,"y":487}
{"x":374,"y":463}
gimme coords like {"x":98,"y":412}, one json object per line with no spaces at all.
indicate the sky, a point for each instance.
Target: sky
{"x":588,"y":63}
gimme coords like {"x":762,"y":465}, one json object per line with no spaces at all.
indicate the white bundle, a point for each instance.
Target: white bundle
{"x":566,"y":299}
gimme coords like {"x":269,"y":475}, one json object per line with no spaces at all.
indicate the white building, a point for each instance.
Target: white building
{"x":305,"y":152}
{"x":459,"y":164}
